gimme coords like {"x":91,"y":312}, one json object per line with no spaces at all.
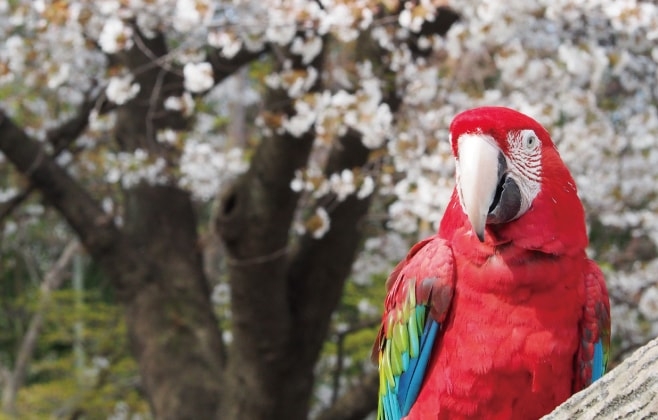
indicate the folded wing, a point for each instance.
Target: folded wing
{"x":419,"y":293}
{"x":592,"y":356}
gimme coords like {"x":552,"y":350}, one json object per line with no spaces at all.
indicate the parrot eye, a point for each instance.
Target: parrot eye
{"x":530,"y":140}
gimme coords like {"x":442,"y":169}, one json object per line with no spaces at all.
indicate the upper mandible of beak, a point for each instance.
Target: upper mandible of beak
{"x":478,"y":175}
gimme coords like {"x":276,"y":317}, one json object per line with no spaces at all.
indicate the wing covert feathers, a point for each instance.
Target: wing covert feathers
{"x":419,"y":294}
{"x":592,"y":357}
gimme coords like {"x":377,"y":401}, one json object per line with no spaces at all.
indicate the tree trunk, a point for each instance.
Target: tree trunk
{"x":629,"y":391}
{"x":171,"y":325}
{"x":255,"y":226}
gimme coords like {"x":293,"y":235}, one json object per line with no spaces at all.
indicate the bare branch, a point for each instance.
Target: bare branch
{"x":13,"y":203}
{"x":95,"y":228}
{"x":356,"y":403}
{"x":319,"y":268}
{"x":63,"y":136}
{"x":51,"y":281}
{"x":340,"y":352}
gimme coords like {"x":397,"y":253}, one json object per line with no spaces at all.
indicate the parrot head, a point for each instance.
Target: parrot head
{"x":512,"y":184}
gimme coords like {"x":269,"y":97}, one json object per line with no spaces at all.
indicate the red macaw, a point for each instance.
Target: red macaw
{"x":501,"y":314}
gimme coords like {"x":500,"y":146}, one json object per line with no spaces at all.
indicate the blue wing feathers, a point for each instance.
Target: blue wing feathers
{"x":393,"y":406}
{"x":598,"y":364}
{"x":411,"y":380}
{"x":407,"y":335}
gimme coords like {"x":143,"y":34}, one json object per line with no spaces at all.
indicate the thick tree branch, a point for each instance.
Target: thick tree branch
{"x":254,"y":223}
{"x":95,"y":229}
{"x":61,"y":138}
{"x":8,"y":207}
{"x":139,"y":120}
{"x":319,"y":268}
{"x":630,"y":390}
{"x":173,"y":332}
{"x":224,"y":67}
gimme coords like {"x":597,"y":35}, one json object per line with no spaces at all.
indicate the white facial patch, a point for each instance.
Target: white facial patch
{"x":524,"y":164}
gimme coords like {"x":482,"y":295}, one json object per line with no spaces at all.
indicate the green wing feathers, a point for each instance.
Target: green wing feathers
{"x":419,"y":295}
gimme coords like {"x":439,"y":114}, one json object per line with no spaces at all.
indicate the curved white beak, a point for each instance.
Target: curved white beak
{"x":477,"y":177}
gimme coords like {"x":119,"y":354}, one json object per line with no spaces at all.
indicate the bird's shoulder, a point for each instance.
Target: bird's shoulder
{"x":425,"y":277}
{"x":429,"y":265}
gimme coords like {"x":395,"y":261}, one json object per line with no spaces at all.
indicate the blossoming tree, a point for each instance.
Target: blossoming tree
{"x":128,"y":116}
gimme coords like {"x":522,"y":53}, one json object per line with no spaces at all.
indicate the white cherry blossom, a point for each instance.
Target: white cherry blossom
{"x":121,"y":89}
{"x":198,"y":77}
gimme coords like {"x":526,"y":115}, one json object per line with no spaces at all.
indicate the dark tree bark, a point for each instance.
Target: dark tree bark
{"x":171,"y":324}
{"x":173,"y":331}
{"x":254,"y":224}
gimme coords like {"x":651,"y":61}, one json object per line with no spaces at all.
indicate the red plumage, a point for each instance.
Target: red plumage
{"x":525,"y":307}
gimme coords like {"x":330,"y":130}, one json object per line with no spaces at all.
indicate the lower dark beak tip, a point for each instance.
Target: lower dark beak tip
{"x":480,"y":236}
